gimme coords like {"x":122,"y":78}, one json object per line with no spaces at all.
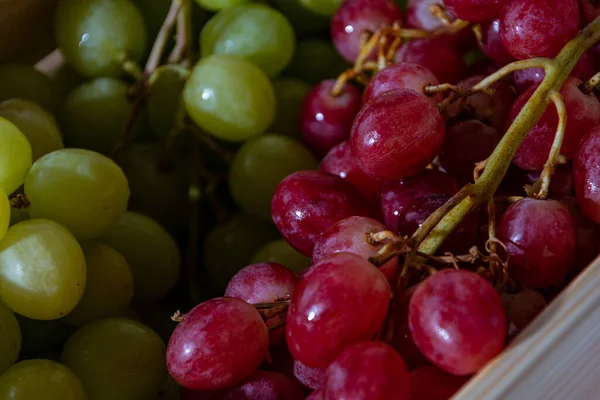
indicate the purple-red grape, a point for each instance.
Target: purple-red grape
{"x":340,"y":301}
{"x":587,"y":246}
{"x":431,"y":383}
{"x":474,"y":10}
{"x":540,"y":238}
{"x":312,"y":378}
{"x":521,"y":308}
{"x":586,"y":168}
{"x":367,"y":371}
{"x":217,"y":344}
{"x":307,"y":203}
{"x":265,"y":385}
{"x":325,"y":120}
{"x":561,"y":184}
{"x":491,"y":42}
{"x":397,"y":134}
{"x":457,"y":321}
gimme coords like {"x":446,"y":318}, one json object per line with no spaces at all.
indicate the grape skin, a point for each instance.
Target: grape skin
{"x":266,"y":385}
{"x":10,"y":338}
{"x":312,"y":378}
{"x":280,"y":251}
{"x":585,"y":167}
{"x":26,"y":83}
{"x":15,"y":156}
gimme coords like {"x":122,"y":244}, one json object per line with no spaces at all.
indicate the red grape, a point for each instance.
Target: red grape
{"x":538,"y":28}
{"x":265,"y":385}
{"x":397,"y":134}
{"x":307,"y":203}
{"x":583,"y":112}
{"x":561,"y":184}
{"x":521,"y":308}
{"x":354,"y":17}
{"x":540,"y":237}
{"x":587,"y":246}
{"x":367,"y":371}
{"x":217,"y":344}
{"x":474,"y":10}
{"x":402,"y":75}
{"x":317,"y":395}
{"x":340,"y":301}
{"x":312,"y":378}
{"x":431,"y":383}
{"x":586,"y":167}
{"x":491,"y":42}
{"x":396,"y":195}
{"x":325,"y":120}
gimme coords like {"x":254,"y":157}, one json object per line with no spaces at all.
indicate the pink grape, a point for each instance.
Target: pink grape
{"x":538,"y":28}
{"x":312,"y":378}
{"x":217,"y":344}
{"x":457,"y":321}
{"x":491,"y":42}
{"x":538,"y":260}
{"x":402,"y":75}
{"x":307,"y":203}
{"x":561,"y":184}
{"x":397,"y":134}
{"x":367,"y":371}
{"x":354,"y":17}
{"x":521,"y":308}
{"x":340,"y":301}
{"x":586,"y":167}
{"x":474,"y":10}
{"x":265,"y":385}
{"x":325,"y":120}
{"x":431,"y":383}
{"x":587,"y":246}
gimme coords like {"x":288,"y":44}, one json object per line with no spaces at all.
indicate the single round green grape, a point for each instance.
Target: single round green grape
{"x":306,"y":23}
{"x":117,"y":359}
{"x":15,"y":156}
{"x":322,"y":7}
{"x":229,"y":247}
{"x":150,"y":252}
{"x":80,"y":189}
{"x":10,"y":338}
{"x":108,"y":288}
{"x":259,"y":166}
{"x":94,"y":34}
{"x":37,"y":124}
{"x":254,"y":31}
{"x":42,"y":336}
{"x":230,"y":98}
{"x":165,"y":98}
{"x":216,"y":5}
{"x":280,"y":251}
{"x":95,"y":114}
{"x":64,"y":79}
{"x":5,"y":213}
{"x":315,"y":60}
{"x":40,"y":380}
{"x":25,"y":82}
{"x":290,"y":94}
{"x":42,"y":270}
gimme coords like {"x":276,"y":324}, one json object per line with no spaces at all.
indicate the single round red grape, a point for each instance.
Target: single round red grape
{"x":325,"y":120}
{"x":587,"y":246}
{"x":521,"y":308}
{"x":474,"y":10}
{"x":367,"y":371}
{"x":561,"y":184}
{"x":307,"y":203}
{"x":217,"y":344}
{"x":491,"y":42}
{"x":265,"y":385}
{"x":538,"y":28}
{"x":340,"y":301}
{"x":312,"y":378}
{"x":397,"y":134}
{"x":431,"y":383}
{"x":457,"y":321}
{"x":586,"y":168}
{"x":354,"y":17}
{"x":540,"y":238}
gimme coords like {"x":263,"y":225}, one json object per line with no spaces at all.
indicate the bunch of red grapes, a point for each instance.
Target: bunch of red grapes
{"x":391,"y":156}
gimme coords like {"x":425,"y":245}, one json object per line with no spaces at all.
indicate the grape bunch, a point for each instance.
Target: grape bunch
{"x":291,"y":199}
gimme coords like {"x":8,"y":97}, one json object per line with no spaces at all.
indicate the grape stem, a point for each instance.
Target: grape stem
{"x":557,"y":70}
{"x":183,"y":45}
{"x":590,"y":84}
{"x":163,"y":36}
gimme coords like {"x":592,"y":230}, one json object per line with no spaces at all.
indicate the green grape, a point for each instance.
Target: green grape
{"x":15,"y":156}
{"x":42,"y":270}
{"x":281,"y":252}
{"x":256,"y":32}
{"x":117,"y":359}
{"x":154,"y":13}
{"x":306,"y":23}
{"x":108,"y":288}
{"x":95,"y":114}
{"x":80,"y":189}
{"x":40,"y":380}
{"x":290,"y":94}
{"x":27,"y":83}
{"x":17,"y":216}
{"x":216,"y":5}
{"x":151,"y":253}
{"x":314,"y":61}
{"x":37,"y":124}
{"x":230,"y":98}
{"x":229,"y":247}
{"x":322,"y":7}
{"x":164,"y":98}
{"x":42,"y":336}
{"x":253,"y":178}
{"x":5,"y":213}
{"x":65,"y":79}
{"x":10,"y":338}
{"x":94,"y":34}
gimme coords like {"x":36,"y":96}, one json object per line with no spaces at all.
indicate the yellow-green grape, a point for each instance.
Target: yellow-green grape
{"x":290,"y":94}
{"x":108,"y":288}
{"x":5,"y":213}
{"x":230,"y":98}
{"x":42,"y":336}
{"x":165,"y":98}
{"x":42,"y":269}
{"x":314,"y":61}
{"x":256,"y":32}
{"x":94,"y":34}
{"x":15,"y":156}
{"x":10,"y":338}
{"x":322,"y":7}
{"x":216,"y":5}
{"x":37,"y":124}
{"x":259,"y":166}
{"x":117,"y":359}
{"x":229,"y":247}
{"x":280,"y":251}
{"x":306,"y":23}
{"x":25,"y":82}
{"x":151,"y":253}
{"x":80,"y":189}
{"x":40,"y":380}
